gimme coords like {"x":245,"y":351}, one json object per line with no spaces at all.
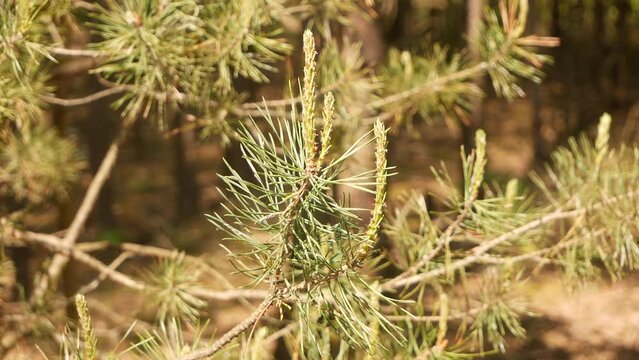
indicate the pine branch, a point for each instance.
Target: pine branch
{"x":497,"y":59}
{"x":478,"y":158}
{"x":133,"y":249}
{"x":433,"y":86}
{"x":289,"y":201}
{"x":484,"y":247}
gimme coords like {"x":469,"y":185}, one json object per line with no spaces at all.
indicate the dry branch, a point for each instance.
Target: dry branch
{"x":84,"y":100}
{"x":55,"y":244}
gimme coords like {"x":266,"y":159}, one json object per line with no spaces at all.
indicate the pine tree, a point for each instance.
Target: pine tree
{"x":310,"y":261}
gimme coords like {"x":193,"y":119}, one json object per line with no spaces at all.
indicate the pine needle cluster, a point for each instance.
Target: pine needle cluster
{"x":314,"y":245}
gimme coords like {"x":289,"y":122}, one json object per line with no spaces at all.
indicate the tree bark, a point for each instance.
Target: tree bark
{"x":622,"y":48}
{"x":99,"y":134}
{"x":473,"y":28}
{"x":187,"y":192}
{"x":535,"y":93}
{"x":556,"y":19}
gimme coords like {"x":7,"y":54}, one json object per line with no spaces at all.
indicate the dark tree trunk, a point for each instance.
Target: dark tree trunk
{"x":454,"y":24}
{"x":556,"y":18}
{"x":623,"y":7}
{"x":187,"y":194}
{"x":599,"y":35}
{"x":622,"y":48}
{"x":395,"y":31}
{"x":473,"y":29}
{"x":535,"y":92}
{"x":20,"y":257}
{"x":599,"y":25}
{"x":99,"y":133}
{"x":140,"y":146}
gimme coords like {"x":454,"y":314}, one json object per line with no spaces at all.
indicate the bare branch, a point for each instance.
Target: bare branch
{"x":73,"y":52}
{"x":66,"y":251}
{"x":83,"y":100}
{"x":56,"y":244}
{"x":103,"y":274}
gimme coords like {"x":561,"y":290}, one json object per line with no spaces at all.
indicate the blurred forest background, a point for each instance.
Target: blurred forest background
{"x":166,"y":178}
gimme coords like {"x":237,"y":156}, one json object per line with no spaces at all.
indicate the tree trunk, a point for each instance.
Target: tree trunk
{"x":622,"y":48}
{"x":623,"y":8}
{"x":99,"y":133}
{"x":187,"y":194}
{"x":535,"y":91}
{"x":599,"y":25}
{"x":473,"y":28}
{"x":20,"y":257}
{"x":556,"y":18}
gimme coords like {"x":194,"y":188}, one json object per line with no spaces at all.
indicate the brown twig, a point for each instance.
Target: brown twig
{"x":73,"y":52}
{"x":55,"y":244}
{"x":103,"y":274}
{"x":281,"y":333}
{"x":66,"y":251}
{"x":83,"y":100}
{"x":236,"y":331}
